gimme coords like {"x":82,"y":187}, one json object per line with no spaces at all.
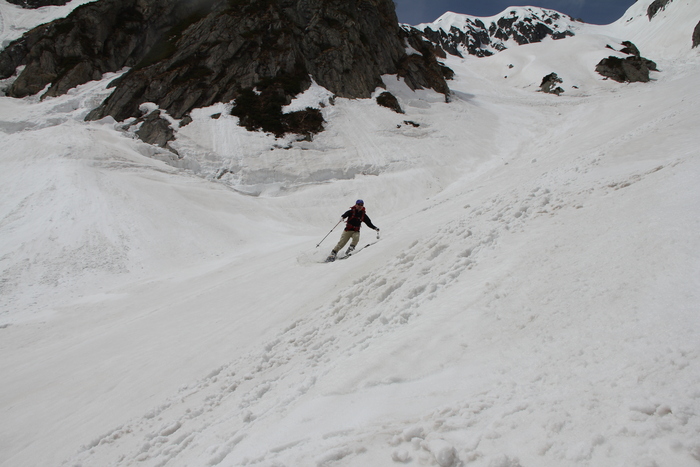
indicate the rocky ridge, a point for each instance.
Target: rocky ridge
{"x":462,"y":35}
{"x":186,"y":55}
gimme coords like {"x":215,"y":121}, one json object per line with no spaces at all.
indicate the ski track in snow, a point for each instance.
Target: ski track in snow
{"x":261,"y":386}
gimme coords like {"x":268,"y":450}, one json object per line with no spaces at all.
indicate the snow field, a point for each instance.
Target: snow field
{"x":15,"y":20}
{"x":532,"y":300}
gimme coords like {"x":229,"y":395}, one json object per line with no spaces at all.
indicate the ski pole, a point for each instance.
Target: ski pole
{"x":336,"y":225}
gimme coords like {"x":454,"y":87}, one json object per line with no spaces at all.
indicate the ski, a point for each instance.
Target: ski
{"x":332,"y":258}
{"x":346,"y":256}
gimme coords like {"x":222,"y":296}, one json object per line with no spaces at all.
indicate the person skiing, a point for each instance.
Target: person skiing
{"x":355,"y":216}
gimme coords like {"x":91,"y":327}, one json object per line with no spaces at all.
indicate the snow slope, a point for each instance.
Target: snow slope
{"x":15,"y":20}
{"x":533,"y":299}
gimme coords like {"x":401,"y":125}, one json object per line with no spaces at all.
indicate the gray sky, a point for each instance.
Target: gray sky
{"x":590,"y":11}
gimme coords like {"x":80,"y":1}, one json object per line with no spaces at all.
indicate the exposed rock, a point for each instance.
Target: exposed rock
{"x":185,"y":121}
{"x":656,"y":6}
{"x":306,"y":122}
{"x":260,"y":108}
{"x":155,"y":129}
{"x":626,"y":70}
{"x":37,"y":3}
{"x":423,"y":71}
{"x":96,"y":38}
{"x":388,"y":100}
{"x":523,"y":25}
{"x":549,"y":84}
{"x":276,"y":50}
{"x":630,"y":49}
{"x":185,"y":55}
{"x":696,"y":36}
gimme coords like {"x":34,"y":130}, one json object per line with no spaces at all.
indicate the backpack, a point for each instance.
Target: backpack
{"x":355,"y":219}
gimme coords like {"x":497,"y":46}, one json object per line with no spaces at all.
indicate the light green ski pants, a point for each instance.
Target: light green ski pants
{"x":347,"y":235}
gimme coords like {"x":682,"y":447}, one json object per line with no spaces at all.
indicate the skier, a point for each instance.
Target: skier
{"x":355,"y":216}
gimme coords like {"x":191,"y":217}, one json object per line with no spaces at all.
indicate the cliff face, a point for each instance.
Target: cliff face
{"x":195,"y":53}
{"x":96,"y":38}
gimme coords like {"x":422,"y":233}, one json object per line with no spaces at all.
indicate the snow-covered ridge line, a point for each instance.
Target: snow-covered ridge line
{"x":461,"y":35}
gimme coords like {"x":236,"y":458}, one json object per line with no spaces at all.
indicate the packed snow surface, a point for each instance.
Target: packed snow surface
{"x":533,"y":299}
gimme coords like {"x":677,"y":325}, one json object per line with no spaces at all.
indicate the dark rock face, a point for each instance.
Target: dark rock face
{"x":388,"y":100}
{"x":37,"y":3}
{"x":630,"y":49}
{"x":423,"y":71}
{"x":196,"y":53}
{"x":155,"y":129}
{"x":656,"y":6}
{"x":696,"y":36}
{"x":97,"y":38}
{"x":627,"y":70}
{"x":262,"y":110}
{"x":549,"y":84}
{"x":479,"y":39}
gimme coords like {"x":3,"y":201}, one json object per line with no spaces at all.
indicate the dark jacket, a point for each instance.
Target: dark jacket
{"x":355,"y":217}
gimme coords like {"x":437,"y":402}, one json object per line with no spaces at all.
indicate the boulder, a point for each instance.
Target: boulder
{"x":634,"y":68}
{"x":388,"y":100}
{"x":155,"y":129}
{"x":626,"y":70}
{"x":549,"y":84}
{"x":630,"y":49}
{"x":696,"y":36}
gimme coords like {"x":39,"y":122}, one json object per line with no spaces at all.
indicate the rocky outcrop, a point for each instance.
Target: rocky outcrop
{"x":696,"y":36}
{"x":469,"y":35}
{"x":96,"y":38}
{"x":192,"y":54}
{"x":388,"y":100}
{"x":549,"y":84}
{"x":421,"y":70}
{"x":634,"y":68}
{"x":656,"y":6}
{"x":630,"y":49}
{"x":154,"y":129}
{"x":37,"y":3}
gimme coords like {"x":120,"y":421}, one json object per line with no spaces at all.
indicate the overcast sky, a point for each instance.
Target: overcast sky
{"x":591,"y":11}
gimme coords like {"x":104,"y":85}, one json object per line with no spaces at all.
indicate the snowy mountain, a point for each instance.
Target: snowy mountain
{"x":188,"y":55}
{"x":462,"y":35}
{"x":532,"y":299}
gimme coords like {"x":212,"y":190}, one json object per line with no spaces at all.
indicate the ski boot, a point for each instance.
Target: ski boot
{"x":331,"y":257}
